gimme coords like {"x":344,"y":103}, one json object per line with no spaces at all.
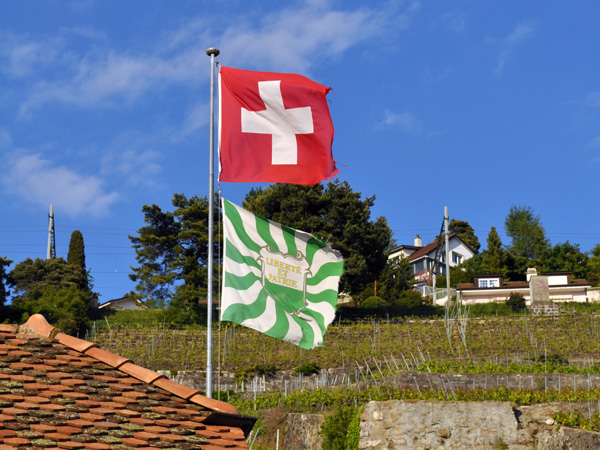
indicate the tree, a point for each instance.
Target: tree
{"x":172,"y":252}
{"x":76,"y":254}
{"x":335,"y":214}
{"x":493,"y":259}
{"x":51,"y":287}
{"x":528,"y":238}
{"x":76,"y":257}
{"x":593,"y":266}
{"x":565,"y":257}
{"x":396,"y":278}
{"x":5,"y":280}
{"x":466,"y":233}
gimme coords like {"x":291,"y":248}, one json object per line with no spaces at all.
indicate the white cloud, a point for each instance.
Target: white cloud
{"x":405,"y":121}
{"x":295,"y":39}
{"x":517,"y":36}
{"x":36,"y":180}
{"x":21,"y":57}
{"x":133,"y":166}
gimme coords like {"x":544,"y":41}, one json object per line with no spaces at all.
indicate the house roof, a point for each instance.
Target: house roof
{"x":58,"y":391}
{"x":426,"y":249}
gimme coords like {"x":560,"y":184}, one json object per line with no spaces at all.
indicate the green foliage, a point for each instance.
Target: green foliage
{"x":353,"y":435}
{"x":528,"y":238}
{"x":397,"y":277}
{"x":491,"y":309}
{"x":76,"y":254}
{"x":5,"y":280}
{"x":182,"y":311}
{"x":593,"y":266}
{"x":516,"y":302}
{"x":575,"y":420}
{"x":308,"y":368}
{"x":374,"y":302}
{"x":172,"y":253}
{"x":246,"y":373}
{"x":63,"y":307}
{"x":30,"y":277}
{"x":565,"y":257}
{"x":410,"y":299}
{"x":144,"y":317}
{"x":335,"y":428}
{"x":336,"y":215}
{"x":466,"y":233}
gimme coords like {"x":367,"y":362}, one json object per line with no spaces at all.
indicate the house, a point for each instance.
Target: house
{"x":487,"y":288}
{"x":119,"y":304}
{"x":422,"y":258}
{"x":58,"y":391}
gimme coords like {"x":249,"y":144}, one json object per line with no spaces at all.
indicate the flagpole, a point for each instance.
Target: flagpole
{"x":213,"y":53}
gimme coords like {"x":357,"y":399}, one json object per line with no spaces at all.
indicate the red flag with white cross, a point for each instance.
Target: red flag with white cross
{"x":274,"y":127}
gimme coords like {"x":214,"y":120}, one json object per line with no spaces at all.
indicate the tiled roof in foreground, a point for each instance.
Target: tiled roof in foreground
{"x":61,"y":392}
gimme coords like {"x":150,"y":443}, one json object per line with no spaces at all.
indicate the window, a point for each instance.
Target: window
{"x":489,"y":283}
{"x":456,"y":258}
{"x":483,"y":283}
{"x":493,"y":283}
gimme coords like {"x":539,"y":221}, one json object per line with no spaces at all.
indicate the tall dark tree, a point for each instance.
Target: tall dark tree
{"x":76,"y":258}
{"x":172,"y":252}
{"x":76,"y":253}
{"x":335,"y":214}
{"x":493,"y":259}
{"x":465,"y":232}
{"x":528,"y":238}
{"x":5,"y":280}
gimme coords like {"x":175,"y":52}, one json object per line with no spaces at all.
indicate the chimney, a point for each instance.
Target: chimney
{"x":418,"y":242}
{"x":531,"y":272}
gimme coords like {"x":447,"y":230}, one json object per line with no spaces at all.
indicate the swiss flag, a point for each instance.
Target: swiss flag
{"x":273,"y":127}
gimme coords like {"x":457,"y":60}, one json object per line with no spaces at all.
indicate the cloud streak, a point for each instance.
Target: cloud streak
{"x":294,"y":39}
{"x":38,"y":182}
{"x":507,"y":45}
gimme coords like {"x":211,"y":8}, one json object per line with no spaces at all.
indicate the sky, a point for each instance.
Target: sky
{"x":477,"y":106}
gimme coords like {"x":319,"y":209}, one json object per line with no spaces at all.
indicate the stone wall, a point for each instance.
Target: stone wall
{"x":423,"y":425}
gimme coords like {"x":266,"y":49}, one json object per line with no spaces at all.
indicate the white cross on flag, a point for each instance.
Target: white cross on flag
{"x":274,"y":127}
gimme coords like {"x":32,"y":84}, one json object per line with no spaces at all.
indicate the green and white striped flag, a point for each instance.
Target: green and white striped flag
{"x":277,"y":280}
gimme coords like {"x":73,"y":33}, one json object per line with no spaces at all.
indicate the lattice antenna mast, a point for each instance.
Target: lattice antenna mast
{"x":51,"y":253}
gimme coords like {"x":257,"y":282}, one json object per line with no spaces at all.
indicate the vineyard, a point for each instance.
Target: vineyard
{"x":522,"y":359}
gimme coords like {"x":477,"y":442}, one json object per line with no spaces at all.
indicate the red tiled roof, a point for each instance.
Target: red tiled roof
{"x":61,"y":392}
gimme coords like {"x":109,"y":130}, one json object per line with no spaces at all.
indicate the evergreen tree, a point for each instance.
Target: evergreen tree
{"x":76,"y":254}
{"x":76,"y":258}
{"x":172,"y":252}
{"x":5,"y":280}
{"x":335,"y":214}
{"x":466,"y":233}
{"x":493,"y":259}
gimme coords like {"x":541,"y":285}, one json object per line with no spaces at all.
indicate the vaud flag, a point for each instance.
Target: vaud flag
{"x":273,"y":127}
{"x":277,"y":280}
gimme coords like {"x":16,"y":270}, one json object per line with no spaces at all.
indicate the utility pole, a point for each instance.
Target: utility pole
{"x":51,"y":253}
{"x":447,"y":255}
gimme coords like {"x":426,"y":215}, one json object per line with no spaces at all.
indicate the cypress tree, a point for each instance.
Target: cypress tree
{"x":76,"y":253}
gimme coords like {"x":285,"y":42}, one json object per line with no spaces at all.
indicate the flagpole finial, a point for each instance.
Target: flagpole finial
{"x":213,"y":51}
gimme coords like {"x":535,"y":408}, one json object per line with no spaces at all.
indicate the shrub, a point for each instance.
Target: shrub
{"x":335,"y":428}
{"x":516,"y":302}
{"x":374,"y":302}
{"x":410,"y":299}
{"x":307,"y":368}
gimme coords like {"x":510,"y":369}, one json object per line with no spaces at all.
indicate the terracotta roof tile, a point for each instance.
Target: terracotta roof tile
{"x":68,"y":394}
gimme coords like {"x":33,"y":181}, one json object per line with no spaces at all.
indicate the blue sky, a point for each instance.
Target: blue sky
{"x":477,"y":106}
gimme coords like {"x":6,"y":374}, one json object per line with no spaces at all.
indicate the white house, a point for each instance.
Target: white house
{"x":487,"y":288}
{"x":122,"y":303}
{"x":422,"y":258}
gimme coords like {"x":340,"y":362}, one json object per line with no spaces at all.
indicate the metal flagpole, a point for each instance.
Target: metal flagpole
{"x":213,"y":53}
